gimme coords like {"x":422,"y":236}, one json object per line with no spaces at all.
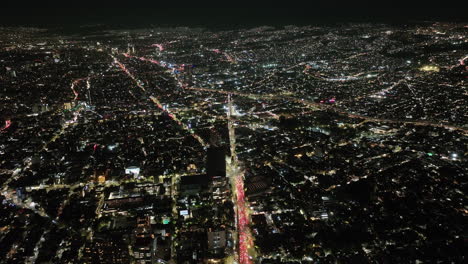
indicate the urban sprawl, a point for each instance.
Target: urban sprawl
{"x":317,"y":144}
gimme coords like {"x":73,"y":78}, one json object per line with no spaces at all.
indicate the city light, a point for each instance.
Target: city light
{"x":430,"y":68}
{"x":322,"y":143}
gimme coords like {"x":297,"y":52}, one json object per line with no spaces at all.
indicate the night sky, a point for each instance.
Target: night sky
{"x":118,"y":15}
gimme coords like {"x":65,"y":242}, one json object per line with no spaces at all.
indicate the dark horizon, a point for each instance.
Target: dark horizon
{"x":219,"y":17}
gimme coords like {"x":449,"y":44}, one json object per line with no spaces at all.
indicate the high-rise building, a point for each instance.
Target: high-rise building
{"x":216,"y":162}
{"x":188,"y":74}
{"x":216,"y":239}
